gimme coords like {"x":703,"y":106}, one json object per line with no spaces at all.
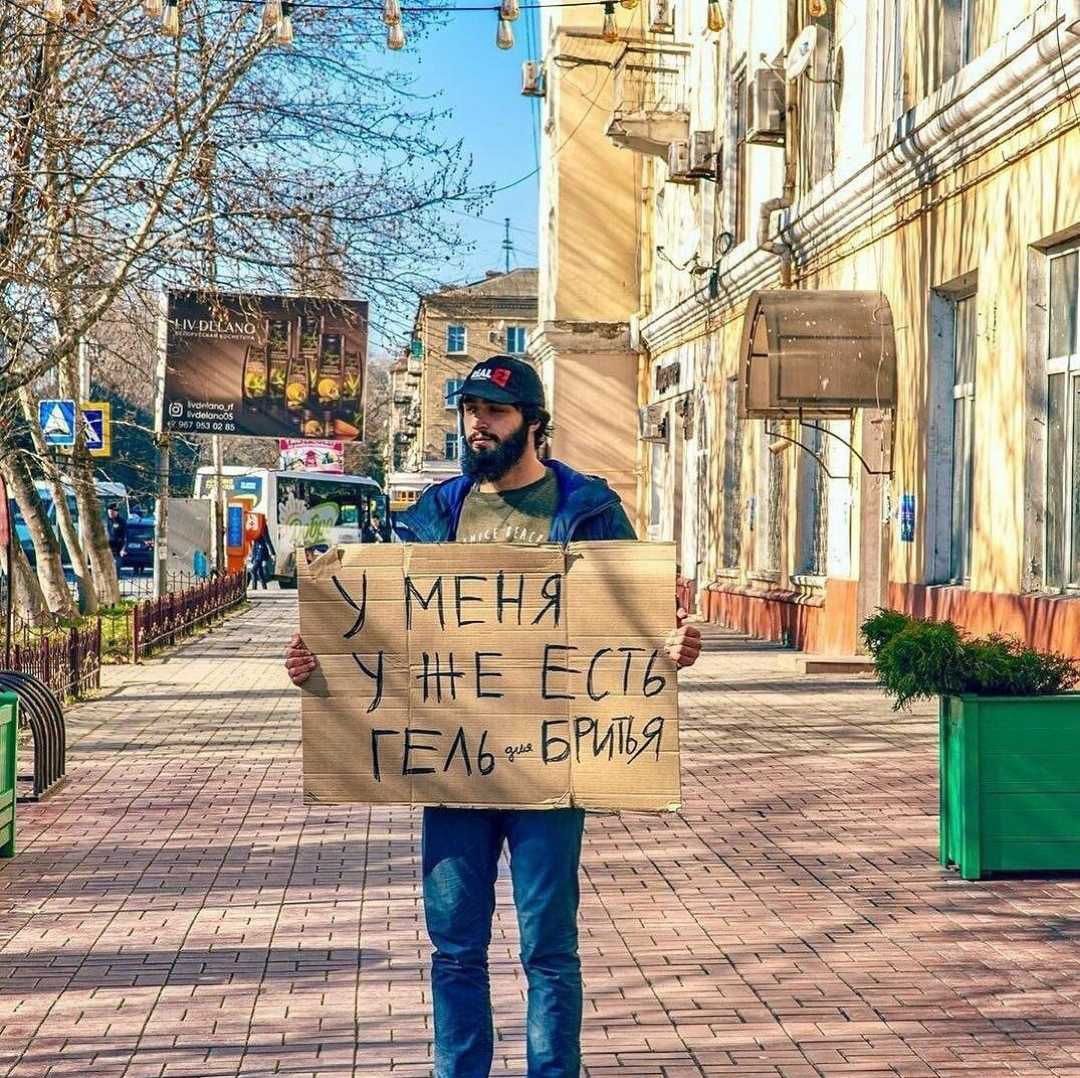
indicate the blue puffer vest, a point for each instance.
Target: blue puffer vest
{"x":587,"y":509}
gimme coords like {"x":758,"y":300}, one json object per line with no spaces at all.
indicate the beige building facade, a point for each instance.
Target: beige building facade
{"x":454,"y":328}
{"x":911,"y":169}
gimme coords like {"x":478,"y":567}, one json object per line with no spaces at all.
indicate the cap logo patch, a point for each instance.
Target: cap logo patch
{"x":500,"y":376}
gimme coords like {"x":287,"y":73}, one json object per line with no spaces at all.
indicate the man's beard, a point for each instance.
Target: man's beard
{"x":485,"y":465}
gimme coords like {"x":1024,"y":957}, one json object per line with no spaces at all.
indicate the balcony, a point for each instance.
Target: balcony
{"x":651,"y":99}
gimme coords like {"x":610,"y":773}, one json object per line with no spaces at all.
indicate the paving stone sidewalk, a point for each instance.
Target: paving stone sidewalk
{"x":176,"y":910}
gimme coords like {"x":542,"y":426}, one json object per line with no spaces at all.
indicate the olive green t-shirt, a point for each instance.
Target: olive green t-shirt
{"x":510,"y":516}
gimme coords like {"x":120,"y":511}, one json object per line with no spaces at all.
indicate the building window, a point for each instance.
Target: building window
{"x":733,"y":448}
{"x":455,"y":339}
{"x":515,"y":340}
{"x":1062,"y":550}
{"x":452,"y":446}
{"x":963,"y":438}
{"x":768,"y":515}
{"x":813,"y":502}
{"x":821,"y":103}
{"x":450,"y":391}
{"x":738,"y":193}
{"x":956,"y":22}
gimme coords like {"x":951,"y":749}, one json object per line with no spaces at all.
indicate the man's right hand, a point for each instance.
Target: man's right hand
{"x":299,"y":662}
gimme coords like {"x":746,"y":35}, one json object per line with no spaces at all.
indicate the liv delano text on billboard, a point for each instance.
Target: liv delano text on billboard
{"x":491,"y":675}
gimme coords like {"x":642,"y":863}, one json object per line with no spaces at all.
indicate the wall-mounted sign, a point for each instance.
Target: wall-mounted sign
{"x":667,"y":377}
{"x":907,"y":518}
{"x":265,"y":366}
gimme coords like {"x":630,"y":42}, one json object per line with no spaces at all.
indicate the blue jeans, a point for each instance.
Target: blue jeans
{"x":461,"y":850}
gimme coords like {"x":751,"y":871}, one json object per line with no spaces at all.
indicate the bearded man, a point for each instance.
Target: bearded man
{"x":507,"y":494}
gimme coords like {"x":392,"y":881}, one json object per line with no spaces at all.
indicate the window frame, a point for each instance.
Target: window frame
{"x":456,"y":383}
{"x":463,"y":350}
{"x":1066,"y":366}
{"x":961,"y":536}
{"x":739,"y":90}
{"x":524,"y":331}
{"x":451,"y":438}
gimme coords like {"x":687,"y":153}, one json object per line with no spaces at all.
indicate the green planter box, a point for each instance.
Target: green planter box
{"x":9,"y":711}
{"x":1010,"y":783}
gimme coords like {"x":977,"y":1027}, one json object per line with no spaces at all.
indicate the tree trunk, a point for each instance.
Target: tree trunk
{"x":88,"y":596}
{"x":50,"y":572}
{"x":29,"y":602}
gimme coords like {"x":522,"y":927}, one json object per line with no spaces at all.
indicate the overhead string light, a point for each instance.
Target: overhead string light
{"x":504,"y":34}
{"x":271,"y":15}
{"x":510,"y":10}
{"x":395,"y":36}
{"x":170,"y":19}
{"x":284,"y":34}
{"x":610,"y":32}
{"x":152,"y":9}
{"x":629,"y":4}
{"x":716,"y":16}
{"x":818,"y":8}
{"x":54,"y":10}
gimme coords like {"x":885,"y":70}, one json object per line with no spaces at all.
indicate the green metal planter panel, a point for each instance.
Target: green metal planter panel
{"x":9,"y":727}
{"x":1010,"y":783}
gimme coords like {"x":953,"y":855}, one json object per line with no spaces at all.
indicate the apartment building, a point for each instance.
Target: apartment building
{"x":855,"y":235}
{"x":454,"y":328}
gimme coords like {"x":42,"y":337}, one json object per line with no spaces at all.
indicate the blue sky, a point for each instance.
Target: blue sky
{"x":482,"y":86}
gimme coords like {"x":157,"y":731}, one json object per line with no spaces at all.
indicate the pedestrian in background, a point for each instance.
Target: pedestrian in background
{"x":261,"y":559}
{"x":117,"y":529}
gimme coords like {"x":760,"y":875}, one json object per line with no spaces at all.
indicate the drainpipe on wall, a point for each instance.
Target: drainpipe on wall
{"x":791,"y":157}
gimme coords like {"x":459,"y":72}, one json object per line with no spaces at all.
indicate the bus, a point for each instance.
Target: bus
{"x":303,"y":510}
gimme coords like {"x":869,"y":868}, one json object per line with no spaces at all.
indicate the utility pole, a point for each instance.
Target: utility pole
{"x":161,"y":447}
{"x":507,"y":244}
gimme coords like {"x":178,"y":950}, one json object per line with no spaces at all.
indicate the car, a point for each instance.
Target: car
{"x":139,"y":552}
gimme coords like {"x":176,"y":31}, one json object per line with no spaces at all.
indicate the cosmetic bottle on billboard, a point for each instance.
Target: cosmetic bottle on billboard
{"x":297,"y":383}
{"x":311,"y":425}
{"x":309,"y":330}
{"x":277,"y":356}
{"x":254,"y":377}
{"x":328,"y":420}
{"x":328,"y":381}
{"x":351,"y":382}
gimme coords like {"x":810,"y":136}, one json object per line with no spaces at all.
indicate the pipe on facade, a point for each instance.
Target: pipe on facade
{"x":791,"y":156}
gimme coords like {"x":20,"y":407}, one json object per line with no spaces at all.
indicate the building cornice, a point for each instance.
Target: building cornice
{"x":997,"y":95}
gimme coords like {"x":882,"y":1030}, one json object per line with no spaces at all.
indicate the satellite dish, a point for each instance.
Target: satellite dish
{"x":801,"y":53}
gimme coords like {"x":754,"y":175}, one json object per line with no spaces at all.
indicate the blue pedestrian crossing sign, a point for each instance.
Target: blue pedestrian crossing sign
{"x":97,"y":427}
{"x":57,"y":419}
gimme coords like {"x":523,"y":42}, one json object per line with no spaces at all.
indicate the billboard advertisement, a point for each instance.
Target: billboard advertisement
{"x":311,"y":456}
{"x":265,"y":366}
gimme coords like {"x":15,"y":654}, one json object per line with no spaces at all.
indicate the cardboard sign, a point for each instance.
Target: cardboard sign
{"x":491,"y":675}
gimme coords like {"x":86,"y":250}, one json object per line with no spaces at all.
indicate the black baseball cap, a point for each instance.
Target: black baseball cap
{"x":504,"y":380}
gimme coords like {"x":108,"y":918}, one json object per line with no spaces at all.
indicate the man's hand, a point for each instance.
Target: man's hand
{"x":299,"y":662}
{"x":684,"y":644}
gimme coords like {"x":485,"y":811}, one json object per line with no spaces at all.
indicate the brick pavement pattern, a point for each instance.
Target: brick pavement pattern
{"x":176,"y":910}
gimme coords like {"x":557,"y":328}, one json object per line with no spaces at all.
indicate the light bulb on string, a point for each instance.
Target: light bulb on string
{"x":152,"y":9}
{"x":629,"y":4}
{"x":271,"y":14}
{"x":170,"y":19}
{"x":818,"y":8}
{"x":610,"y":32}
{"x":509,"y":10}
{"x":54,"y":10}
{"x":716,"y":16}
{"x":284,"y":35}
{"x":391,"y":12}
{"x":504,"y":35}
{"x":395,"y":36}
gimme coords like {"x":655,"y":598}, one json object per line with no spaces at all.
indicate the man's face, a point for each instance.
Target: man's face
{"x":496,"y":437}
{"x":114,"y":512}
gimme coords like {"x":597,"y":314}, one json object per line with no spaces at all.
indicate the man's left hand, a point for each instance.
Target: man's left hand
{"x":684,"y":645}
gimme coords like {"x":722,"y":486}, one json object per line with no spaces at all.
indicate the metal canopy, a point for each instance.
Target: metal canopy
{"x":816,"y":355}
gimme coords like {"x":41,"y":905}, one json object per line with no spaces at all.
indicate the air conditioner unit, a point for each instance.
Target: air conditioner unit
{"x":704,"y":160}
{"x":663,"y":17}
{"x":678,"y":163}
{"x":532,"y":79}
{"x":765,"y":108}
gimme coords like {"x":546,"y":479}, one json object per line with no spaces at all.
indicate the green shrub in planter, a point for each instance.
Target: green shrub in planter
{"x":1009,"y":741}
